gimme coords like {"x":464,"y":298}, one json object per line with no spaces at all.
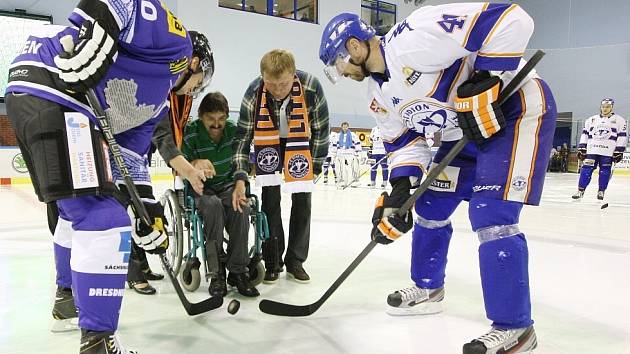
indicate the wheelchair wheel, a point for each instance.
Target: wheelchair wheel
{"x":256,"y":271}
{"x":174,"y":230}
{"x":191,"y":277}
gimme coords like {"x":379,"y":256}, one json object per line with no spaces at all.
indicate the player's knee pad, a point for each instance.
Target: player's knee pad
{"x":485,"y":212}
{"x":588,"y":164}
{"x":94,"y":213}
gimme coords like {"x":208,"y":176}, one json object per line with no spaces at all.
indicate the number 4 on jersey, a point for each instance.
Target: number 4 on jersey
{"x":450,"y":22}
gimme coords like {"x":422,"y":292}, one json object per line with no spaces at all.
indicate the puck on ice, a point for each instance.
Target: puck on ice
{"x":233,"y":307}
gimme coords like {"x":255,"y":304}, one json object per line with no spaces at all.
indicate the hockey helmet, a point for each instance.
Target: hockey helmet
{"x":202,"y":50}
{"x":332,"y":49}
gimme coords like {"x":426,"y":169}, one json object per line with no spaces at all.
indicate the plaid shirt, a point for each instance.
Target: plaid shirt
{"x":317,"y":115}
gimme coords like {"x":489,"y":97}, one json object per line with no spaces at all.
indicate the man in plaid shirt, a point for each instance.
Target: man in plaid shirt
{"x":277,"y":75}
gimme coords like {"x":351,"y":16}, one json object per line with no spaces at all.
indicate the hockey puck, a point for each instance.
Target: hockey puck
{"x":233,"y":307}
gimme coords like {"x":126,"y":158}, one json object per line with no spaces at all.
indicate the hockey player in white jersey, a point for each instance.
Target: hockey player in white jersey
{"x":332,"y":156}
{"x":441,"y":69}
{"x":348,"y":147}
{"x":377,"y":157}
{"x":603,"y":141}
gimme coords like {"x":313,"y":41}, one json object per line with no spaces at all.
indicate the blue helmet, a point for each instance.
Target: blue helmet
{"x":341,"y":28}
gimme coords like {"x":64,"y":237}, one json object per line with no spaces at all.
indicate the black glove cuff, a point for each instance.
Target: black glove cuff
{"x":400,"y":187}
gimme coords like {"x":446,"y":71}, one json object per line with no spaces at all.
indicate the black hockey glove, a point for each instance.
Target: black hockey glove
{"x":387,"y":225}
{"x":317,"y":168}
{"x":86,"y":62}
{"x":617,"y":156}
{"x":581,"y":154}
{"x":478,"y":112}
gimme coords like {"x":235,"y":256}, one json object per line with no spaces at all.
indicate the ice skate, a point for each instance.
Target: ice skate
{"x":415,"y":301}
{"x":600,"y":195}
{"x":101,"y":343}
{"x":65,"y":314}
{"x":578,"y":195}
{"x":504,"y":341}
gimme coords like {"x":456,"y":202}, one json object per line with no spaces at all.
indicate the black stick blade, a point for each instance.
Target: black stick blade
{"x":206,"y":305}
{"x":280,"y":309}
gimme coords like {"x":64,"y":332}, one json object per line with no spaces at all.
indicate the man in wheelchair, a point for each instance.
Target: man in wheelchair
{"x":207,"y":145}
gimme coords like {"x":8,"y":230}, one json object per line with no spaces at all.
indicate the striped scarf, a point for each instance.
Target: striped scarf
{"x":298,"y":163}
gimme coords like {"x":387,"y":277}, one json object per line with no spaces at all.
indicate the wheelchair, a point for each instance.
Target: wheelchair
{"x":182,"y":217}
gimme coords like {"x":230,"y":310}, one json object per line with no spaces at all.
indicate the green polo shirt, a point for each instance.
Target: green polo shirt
{"x":197,"y":144}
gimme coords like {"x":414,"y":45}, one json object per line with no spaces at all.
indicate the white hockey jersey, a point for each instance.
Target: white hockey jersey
{"x":377,"y":142}
{"x":604,"y":135}
{"x":332,"y":144}
{"x":430,"y":54}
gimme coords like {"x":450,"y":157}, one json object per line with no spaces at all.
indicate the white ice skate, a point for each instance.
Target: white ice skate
{"x":102,"y":343}
{"x":415,"y":301}
{"x":65,"y":314}
{"x":504,"y":341}
{"x":578,"y":196}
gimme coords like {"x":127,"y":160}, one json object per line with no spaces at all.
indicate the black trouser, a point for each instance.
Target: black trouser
{"x":299,"y":228}
{"x":217,"y":214}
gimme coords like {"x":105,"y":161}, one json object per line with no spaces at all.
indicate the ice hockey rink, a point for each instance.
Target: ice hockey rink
{"x":579,"y":264}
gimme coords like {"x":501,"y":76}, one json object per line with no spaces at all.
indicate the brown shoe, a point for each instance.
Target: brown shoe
{"x":297,"y":273}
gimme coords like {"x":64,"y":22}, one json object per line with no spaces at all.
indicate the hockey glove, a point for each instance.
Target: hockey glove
{"x":581,"y":154}
{"x":387,"y":225}
{"x":478,"y":112}
{"x":617,"y":156}
{"x":86,"y":62}
{"x":151,"y":238}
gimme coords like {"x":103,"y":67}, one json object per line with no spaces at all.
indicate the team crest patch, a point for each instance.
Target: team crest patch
{"x":298,"y":166}
{"x":519,"y":183}
{"x":412,"y":75}
{"x":427,"y":117}
{"x":268,"y":159}
{"x":377,"y":108}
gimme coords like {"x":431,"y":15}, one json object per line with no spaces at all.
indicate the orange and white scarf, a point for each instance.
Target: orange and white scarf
{"x":298,"y":162}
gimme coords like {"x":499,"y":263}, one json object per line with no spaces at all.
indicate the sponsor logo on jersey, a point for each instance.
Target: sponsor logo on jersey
{"x":115,"y":267}
{"x":268,"y":159}
{"x":377,"y":108}
{"x":451,"y":22}
{"x":602,"y":131}
{"x":396,"y":101}
{"x":446,"y":180}
{"x":494,"y":187}
{"x":18,"y":73}
{"x":106,"y":292}
{"x":412,"y":75}
{"x":400,"y":29}
{"x":177,"y":66}
{"x":31,"y":47}
{"x":426,"y":117}
{"x":519,"y":183}
{"x":298,"y":166}
{"x":18,"y":164}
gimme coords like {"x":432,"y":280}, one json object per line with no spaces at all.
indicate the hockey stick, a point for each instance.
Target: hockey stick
{"x":281,"y":309}
{"x":191,"y":308}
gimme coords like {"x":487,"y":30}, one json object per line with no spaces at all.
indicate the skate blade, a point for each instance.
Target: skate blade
{"x":427,"y":308}
{"x":70,"y":324}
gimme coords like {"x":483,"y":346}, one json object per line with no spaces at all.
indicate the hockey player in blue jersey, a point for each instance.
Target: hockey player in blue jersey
{"x":132,"y":53}
{"x":602,"y":143}
{"x":441,"y":69}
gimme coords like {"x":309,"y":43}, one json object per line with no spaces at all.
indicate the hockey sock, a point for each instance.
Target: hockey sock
{"x":430,"y":239}
{"x":503,"y":262}
{"x":62,"y":241}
